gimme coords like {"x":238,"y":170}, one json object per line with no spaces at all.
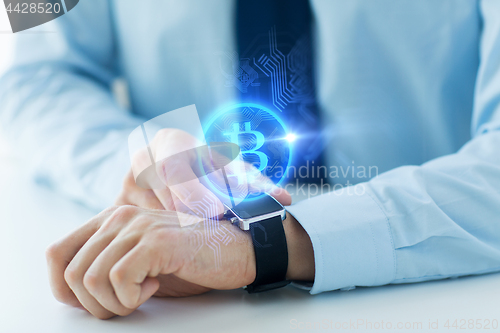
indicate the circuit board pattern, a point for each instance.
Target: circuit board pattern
{"x":288,"y":73}
{"x":242,"y":74}
{"x":276,"y":70}
{"x":210,"y":232}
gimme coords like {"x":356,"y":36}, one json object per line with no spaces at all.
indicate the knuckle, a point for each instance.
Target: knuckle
{"x":52,"y":252}
{"x":110,"y":210}
{"x":101,"y":218}
{"x":126,"y":211}
{"x":91,"y":282}
{"x":121,"y":215}
{"x":117,"y":276}
{"x":72,"y":276}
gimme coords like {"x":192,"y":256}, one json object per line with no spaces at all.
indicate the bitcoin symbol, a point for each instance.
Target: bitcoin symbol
{"x":260,"y":140}
{"x":261,"y":136}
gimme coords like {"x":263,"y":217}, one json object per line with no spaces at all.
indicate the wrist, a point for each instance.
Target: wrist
{"x":300,"y":251}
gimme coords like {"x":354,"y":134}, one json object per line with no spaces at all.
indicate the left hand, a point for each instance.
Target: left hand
{"x":188,"y":193}
{"x":115,"y":262}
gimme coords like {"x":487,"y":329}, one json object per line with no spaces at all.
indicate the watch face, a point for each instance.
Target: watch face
{"x":261,"y":205}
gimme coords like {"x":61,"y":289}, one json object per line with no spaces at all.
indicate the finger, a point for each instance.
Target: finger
{"x":97,"y":280}
{"x":198,"y":199}
{"x":260,"y":183}
{"x":227,"y":184}
{"x":281,"y":195}
{"x":77,"y":268}
{"x":184,"y":184}
{"x":132,"y":194}
{"x":244,"y":178}
{"x":60,"y":254}
{"x":191,"y":193}
{"x":133,"y":277}
{"x":141,"y":160}
{"x":235,"y":178}
{"x":164,"y":196}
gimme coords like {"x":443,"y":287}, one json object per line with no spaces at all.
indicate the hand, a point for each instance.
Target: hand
{"x":184,"y":197}
{"x":115,"y":262}
{"x":119,"y":259}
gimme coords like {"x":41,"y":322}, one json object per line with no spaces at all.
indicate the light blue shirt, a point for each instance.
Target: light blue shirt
{"x":409,"y":87}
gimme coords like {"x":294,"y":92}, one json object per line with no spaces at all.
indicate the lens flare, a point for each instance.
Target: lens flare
{"x":291,"y":137}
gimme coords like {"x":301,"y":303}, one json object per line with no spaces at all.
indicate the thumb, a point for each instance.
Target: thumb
{"x":281,"y":195}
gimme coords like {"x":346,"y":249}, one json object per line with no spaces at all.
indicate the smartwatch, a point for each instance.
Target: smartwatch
{"x":263,"y":217}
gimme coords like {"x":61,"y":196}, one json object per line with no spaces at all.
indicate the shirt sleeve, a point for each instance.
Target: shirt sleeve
{"x":58,"y":109}
{"x":418,"y":223}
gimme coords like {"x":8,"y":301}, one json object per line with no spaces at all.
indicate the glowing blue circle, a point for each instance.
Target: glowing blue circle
{"x":262,"y":120}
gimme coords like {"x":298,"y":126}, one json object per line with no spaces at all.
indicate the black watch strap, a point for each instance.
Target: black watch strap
{"x":271,"y":255}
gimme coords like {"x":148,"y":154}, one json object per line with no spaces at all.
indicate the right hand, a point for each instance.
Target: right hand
{"x":186,"y":196}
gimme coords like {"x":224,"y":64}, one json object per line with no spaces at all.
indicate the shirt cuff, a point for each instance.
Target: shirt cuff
{"x":351,"y":239}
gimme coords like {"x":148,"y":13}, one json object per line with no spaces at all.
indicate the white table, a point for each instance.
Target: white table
{"x":32,"y":217}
